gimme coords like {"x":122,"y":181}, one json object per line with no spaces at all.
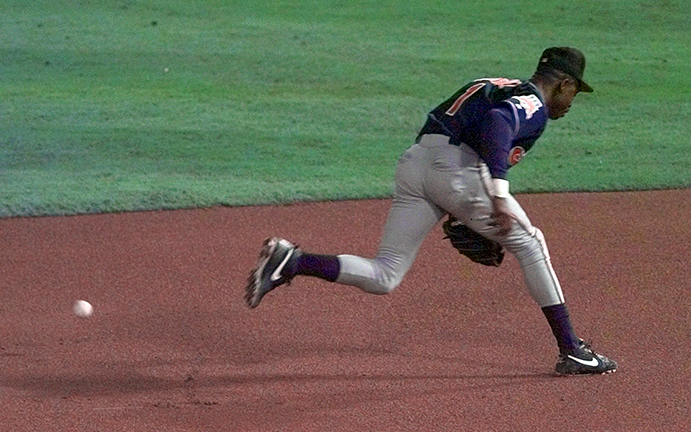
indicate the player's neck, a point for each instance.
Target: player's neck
{"x":540,"y":85}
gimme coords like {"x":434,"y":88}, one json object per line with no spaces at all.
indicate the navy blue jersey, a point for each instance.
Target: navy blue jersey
{"x":499,"y":118}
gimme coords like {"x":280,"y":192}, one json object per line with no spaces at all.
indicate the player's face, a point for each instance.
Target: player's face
{"x":562,"y":98}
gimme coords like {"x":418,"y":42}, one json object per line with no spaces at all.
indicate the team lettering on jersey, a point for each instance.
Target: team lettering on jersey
{"x":530,"y":103}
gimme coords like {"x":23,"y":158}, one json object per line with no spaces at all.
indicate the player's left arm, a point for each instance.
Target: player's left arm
{"x":497,"y":133}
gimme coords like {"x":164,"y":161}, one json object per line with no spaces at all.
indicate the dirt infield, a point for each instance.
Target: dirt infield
{"x":457,"y":347}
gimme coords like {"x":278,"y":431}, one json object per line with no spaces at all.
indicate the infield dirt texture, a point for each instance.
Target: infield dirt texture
{"x":457,"y":347}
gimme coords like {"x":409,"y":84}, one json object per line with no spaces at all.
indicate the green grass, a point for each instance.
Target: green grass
{"x":271,"y":102}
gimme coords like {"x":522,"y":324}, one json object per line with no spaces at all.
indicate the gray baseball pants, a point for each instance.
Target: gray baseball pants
{"x":434,"y":178}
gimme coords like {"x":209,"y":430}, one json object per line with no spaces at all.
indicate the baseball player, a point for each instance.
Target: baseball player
{"x":458,"y":166}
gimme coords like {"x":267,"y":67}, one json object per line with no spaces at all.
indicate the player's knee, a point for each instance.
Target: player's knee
{"x":385,"y":287}
{"x":529,"y":247}
{"x":390,"y":276}
{"x":379,"y":276}
{"x":379,"y":286}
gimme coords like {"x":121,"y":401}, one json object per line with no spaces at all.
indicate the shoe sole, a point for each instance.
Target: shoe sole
{"x":566,"y":374}
{"x":252,"y":295}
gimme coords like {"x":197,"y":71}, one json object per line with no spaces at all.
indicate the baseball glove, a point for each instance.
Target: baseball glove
{"x":473,"y":245}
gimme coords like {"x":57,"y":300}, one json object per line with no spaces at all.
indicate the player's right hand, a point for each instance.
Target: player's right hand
{"x":503,"y":218}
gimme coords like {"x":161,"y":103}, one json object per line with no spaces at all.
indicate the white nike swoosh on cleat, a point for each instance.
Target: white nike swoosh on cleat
{"x":276,"y":275}
{"x":593,"y":362}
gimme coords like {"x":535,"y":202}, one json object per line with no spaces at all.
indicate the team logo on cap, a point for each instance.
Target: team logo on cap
{"x":515,"y":155}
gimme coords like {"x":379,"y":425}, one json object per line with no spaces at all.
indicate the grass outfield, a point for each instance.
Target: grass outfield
{"x":131,"y":105}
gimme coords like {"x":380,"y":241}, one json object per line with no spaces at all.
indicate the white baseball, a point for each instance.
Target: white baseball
{"x":82,"y":309}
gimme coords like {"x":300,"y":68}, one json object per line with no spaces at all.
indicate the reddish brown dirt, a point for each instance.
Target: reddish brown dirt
{"x":171,"y":346}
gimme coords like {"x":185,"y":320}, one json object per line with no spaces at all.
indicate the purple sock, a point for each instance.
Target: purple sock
{"x":322,"y":266}
{"x":559,"y":321}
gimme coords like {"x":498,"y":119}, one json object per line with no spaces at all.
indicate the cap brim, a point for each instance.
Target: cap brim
{"x":584,"y":87}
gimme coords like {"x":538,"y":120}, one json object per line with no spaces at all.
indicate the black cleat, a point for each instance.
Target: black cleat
{"x":584,"y":360}
{"x":275,"y":267}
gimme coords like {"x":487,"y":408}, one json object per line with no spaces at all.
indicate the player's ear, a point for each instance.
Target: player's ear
{"x":566,"y":83}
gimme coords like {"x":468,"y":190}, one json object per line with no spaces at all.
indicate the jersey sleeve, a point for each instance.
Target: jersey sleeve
{"x":497,"y":134}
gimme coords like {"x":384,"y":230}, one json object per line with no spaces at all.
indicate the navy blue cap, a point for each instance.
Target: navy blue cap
{"x":568,"y":60}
